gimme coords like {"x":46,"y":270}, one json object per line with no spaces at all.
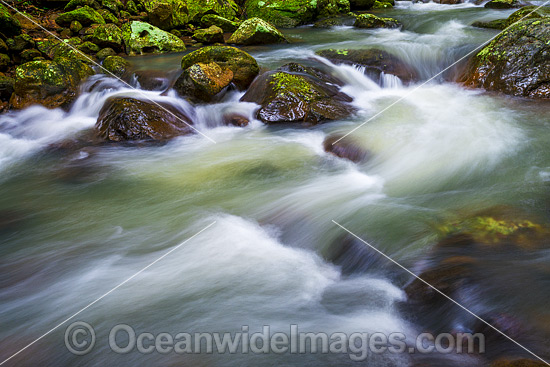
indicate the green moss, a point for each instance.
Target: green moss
{"x":141,"y":37}
{"x":116,"y":65}
{"x":256,"y":31}
{"x":85,"y":15}
{"x":372,"y":21}
{"x":9,"y":26}
{"x":108,"y":35}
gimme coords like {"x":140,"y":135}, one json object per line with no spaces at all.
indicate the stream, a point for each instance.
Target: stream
{"x":74,"y":225}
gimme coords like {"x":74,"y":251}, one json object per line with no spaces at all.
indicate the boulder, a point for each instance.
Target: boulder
{"x":372,"y":21}
{"x":382,"y":5}
{"x":113,"y":5}
{"x":297,"y":97}
{"x":528,"y":12}
{"x":53,"y":49}
{"x":201,"y":82}
{"x":140,"y":38}
{"x":505,"y":4}
{"x":6,"y":88}
{"x":75,"y":26}
{"x":123,"y":119}
{"x":224,"y":8}
{"x":105,"y":52}
{"x":213,"y":34}
{"x":20,"y":42}
{"x":167,"y":14}
{"x":85,"y":16}
{"x":212,"y":19}
{"x":345,"y":147}
{"x":27,"y":21}
{"x":88,"y":47}
{"x":492,"y":24}
{"x":108,"y":35}
{"x":334,"y":22}
{"x":116,"y":65}
{"x":5,"y":62}
{"x":107,"y":16}
{"x":291,"y":13}
{"x":74,"y":4}
{"x":256,"y":31}
{"x":30,"y":54}
{"x":9,"y":25}
{"x":516,"y":62}
{"x":49,"y":83}
{"x":375,"y":61}
{"x":243,"y":66}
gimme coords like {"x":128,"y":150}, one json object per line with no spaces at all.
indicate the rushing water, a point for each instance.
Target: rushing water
{"x":75,"y":223}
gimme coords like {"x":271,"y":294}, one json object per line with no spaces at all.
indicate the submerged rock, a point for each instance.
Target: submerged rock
{"x":256,"y":31}
{"x":291,"y":13}
{"x":123,"y":119}
{"x":516,"y":62}
{"x":492,"y":24}
{"x":85,"y":16}
{"x":243,"y":66}
{"x":297,"y":97}
{"x":201,"y":82}
{"x":375,"y":61}
{"x":345,"y":147}
{"x":141,"y":38}
{"x":49,"y":83}
{"x":372,"y":21}
{"x":213,"y":34}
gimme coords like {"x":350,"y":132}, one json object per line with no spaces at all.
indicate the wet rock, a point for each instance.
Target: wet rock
{"x":244,"y":67}
{"x":123,"y":119}
{"x":492,"y":24}
{"x":256,"y":31}
{"x":516,"y":62}
{"x":224,"y":8}
{"x":105,"y":52}
{"x":334,"y":22}
{"x":53,"y":49}
{"x":6,"y":88}
{"x":236,"y":119}
{"x":291,"y":13}
{"x":75,"y":26}
{"x":107,"y":16}
{"x":88,"y":47}
{"x":113,"y":5}
{"x":225,"y":24}
{"x":9,"y":25}
{"x":297,"y":97}
{"x":108,"y":35}
{"x":141,"y":38}
{"x":201,"y":82}
{"x":361,"y":4}
{"x":30,"y":55}
{"x":376,"y":62}
{"x":345,"y":147}
{"x":49,"y":83}
{"x":382,"y":5}
{"x":85,"y":16}
{"x":20,"y":42}
{"x":528,"y":12}
{"x":213,"y":34}
{"x":116,"y":65}
{"x":505,"y":4}
{"x":154,"y":79}
{"x":372,"y":21}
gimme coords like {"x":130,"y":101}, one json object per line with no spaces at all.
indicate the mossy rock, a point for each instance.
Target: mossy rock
{"x":5,"y":62}
{"x":53,"y":49}
{"x":167,"y":14}
{"x":116,"y":65}
{"x":3,"y":46}
{"x":212,"y":19}
{"x":74,"y":4}
{"x":213,"y":34}
{"x":27,"y":21}
{"x":515,"y":62}
{"x":297,"y":97}
{"x":127,"y":119}
{"x":131,"y":7}
{"x":528,"y":12}
{"x":6,"y":88}
{"x":256,"y":31}
{"x":504,"y":4}
{"x":492,"y":24}
{"x":202,"y":82}
{"x":140,"y":38}
{"x":75,"y":26}
{"x":88,"y":47}
{"x":9,"y":25}
{"x":49,"y":83}
{"x":224,"y":8}
{"x":108,"y":16}
{"x":20,"y":43}
{"x":108,"y":35}
{"x":382,"y":5}
{"x":113,"y":5}
{"x":244,"y":67}
{"x":30,"y":55}
{"x":372,"y":21}
{"x":105,"y":52}
{"x":85,"y":15}
{"x":291,"y":13}
{"x":375,"y":61}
